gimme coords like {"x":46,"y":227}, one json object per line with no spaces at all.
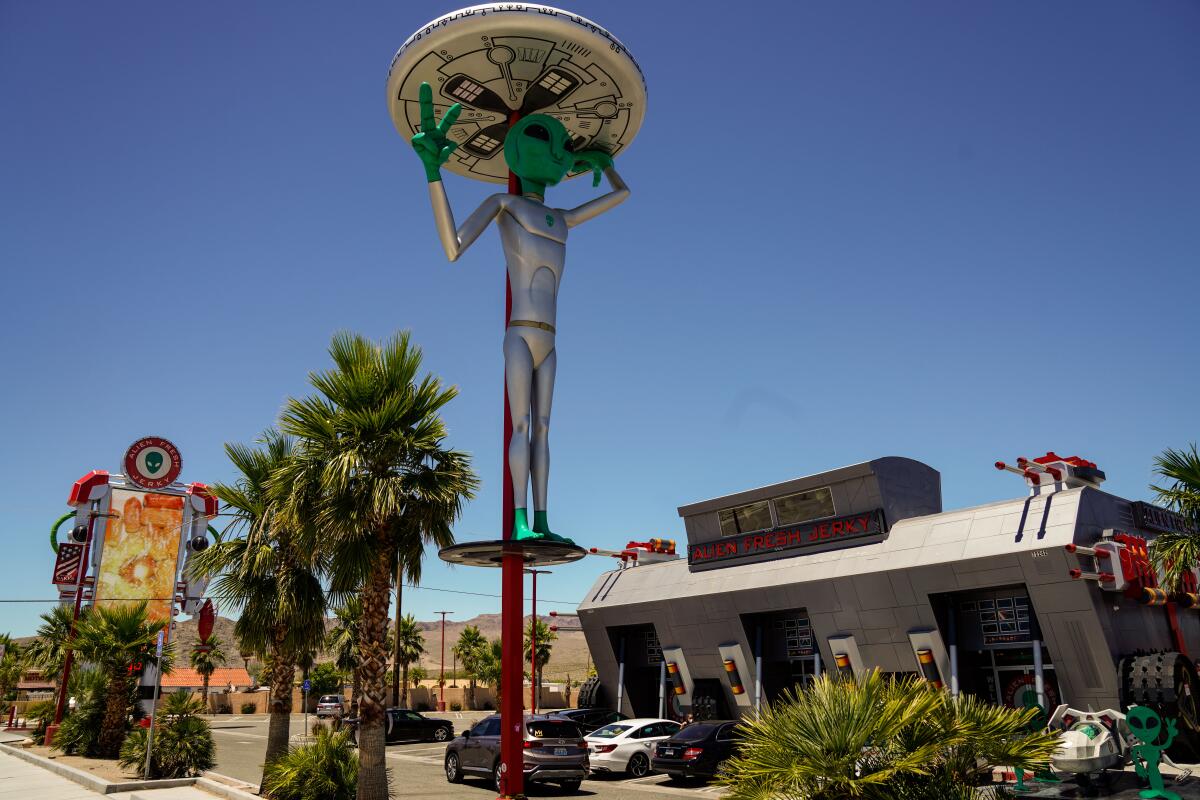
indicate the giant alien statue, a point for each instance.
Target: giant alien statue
{"x":540,"y":152}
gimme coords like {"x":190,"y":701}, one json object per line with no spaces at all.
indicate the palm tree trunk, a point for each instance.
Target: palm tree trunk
{"x":283,"y":672}
{"x":112,"y":729}
{"x":404,"y":686}
{"x":204,"y":692}
{"x":372,"y":772}
{"x":355,"y":692}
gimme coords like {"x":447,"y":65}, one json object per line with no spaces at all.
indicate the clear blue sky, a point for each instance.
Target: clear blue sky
{"x":956,"y":232}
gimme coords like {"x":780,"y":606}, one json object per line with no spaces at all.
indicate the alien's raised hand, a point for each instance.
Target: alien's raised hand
{"x":432,"y":144}
{"x":595,"y":160}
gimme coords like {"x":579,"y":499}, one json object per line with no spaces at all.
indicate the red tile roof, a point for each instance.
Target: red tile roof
{"x":221,"y":677}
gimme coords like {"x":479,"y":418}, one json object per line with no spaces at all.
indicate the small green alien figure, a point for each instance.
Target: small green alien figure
{"x":1147,"y":726}
{"x":540,"y":151}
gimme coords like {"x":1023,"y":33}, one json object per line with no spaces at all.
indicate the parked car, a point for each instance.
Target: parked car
{"x":589,"y":719}
{"x":330,"y":705}
{"x":402,"y":725}
{"x":627,"y":746}
{"x":697,"y":750}
{"x":555,"y":752}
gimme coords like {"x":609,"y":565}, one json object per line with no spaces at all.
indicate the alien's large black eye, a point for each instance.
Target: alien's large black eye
{"x":538,"y":132}
{"x":569,"y":146}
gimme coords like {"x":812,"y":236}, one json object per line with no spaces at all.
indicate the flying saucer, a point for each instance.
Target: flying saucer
{"x":506,"y":59}
{"x":533,"y":552}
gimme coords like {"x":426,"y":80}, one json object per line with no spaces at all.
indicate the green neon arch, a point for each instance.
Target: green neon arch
{"x":54,"y":530}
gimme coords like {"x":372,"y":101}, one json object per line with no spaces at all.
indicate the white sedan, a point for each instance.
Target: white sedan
{"x":626,"y":746}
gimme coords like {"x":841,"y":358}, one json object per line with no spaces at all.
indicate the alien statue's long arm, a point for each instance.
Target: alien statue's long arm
{"x":605,"y":202}
{"x":456,"y":241}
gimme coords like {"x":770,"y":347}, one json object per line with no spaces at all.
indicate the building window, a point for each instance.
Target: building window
{"x":745,"y":519}
{"x":804,"y":506}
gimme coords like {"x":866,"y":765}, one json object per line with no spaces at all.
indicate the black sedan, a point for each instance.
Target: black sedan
{"x":589,"y":719}
{"x":403,"y":725}
{"x":697,"y":750}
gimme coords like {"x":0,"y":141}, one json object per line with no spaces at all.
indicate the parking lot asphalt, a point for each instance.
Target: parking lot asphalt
{"x":416,"y":769}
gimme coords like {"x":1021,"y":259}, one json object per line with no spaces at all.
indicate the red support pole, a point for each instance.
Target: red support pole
{"x":533,"y":670}
{"x":512,"y":747}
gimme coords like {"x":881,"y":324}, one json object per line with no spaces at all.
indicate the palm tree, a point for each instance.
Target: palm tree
{"x":879,"y":739}
{"x":11,"y":665}
{"x":343,"y":641}
{"x":469,"y":651}
{"x":487,"y":668}
{"x":270,"y":575}
{"x":371,"y":470}
{"x":411,"y":646}
{"x":545,"y":637}
{"x":48,"y":651}
{"x":113,"y":638}
{"x":418,"y":674}
{"x":1177,"y":551}
{"x":205,"y":659}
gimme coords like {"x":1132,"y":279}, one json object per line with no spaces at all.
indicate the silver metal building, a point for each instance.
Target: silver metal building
{"x":1048,"y":596}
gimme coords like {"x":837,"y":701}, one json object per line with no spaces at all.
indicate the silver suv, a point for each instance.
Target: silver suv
{"x":555,"y":752}
{"x":330,"y":705}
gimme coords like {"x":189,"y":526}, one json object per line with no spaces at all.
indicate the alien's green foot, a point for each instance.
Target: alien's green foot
{"x":542,"y":526}
{"x":1165,"y":794}
{"x":520,"y":531}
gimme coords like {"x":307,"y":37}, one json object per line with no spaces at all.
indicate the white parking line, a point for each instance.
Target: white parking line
{"x":238,"y":733}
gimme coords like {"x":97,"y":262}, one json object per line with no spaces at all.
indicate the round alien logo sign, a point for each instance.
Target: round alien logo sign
{"x":152,"y":462}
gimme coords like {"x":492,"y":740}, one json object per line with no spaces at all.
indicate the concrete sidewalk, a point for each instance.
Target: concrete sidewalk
{"x":20,"y":780}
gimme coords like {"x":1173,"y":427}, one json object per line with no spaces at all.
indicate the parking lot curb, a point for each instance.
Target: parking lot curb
{"x":223,"y":789}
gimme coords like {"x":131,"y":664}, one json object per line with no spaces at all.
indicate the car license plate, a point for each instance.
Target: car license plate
{"x":668,"y":751}
{"x":560,"y":751}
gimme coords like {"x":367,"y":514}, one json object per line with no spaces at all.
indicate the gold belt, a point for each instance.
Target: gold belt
{"x":528,"y":323}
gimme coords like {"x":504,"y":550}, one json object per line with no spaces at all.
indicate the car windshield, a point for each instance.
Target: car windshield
{"x":609,"y":731}
{"x":695,"y":732}
{"x":552,"y":729}
{"x":330,"y":698}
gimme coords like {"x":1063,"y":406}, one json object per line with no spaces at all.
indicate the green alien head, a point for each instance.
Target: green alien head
{"x":539,"y":150}
{"x":1145,"y":724}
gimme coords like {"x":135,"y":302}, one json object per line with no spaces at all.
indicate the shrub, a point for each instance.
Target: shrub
{"x":456,"y":706}
{"x":80,"y":731}
{"x":183,"y":747}
{"x":41,"y":713}
{"x":249,"y":708}
{"x":324,"y":679}
{"x":487,"y":705}
{"x":896,"y":740}
{"x":327,"y":769}
{"x":422,"y":706}
{"x":180,"y":704}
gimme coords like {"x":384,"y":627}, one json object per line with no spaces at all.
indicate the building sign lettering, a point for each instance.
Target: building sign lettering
{"x":849,"y":529}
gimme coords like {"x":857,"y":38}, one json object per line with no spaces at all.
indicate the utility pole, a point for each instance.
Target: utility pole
{"x":535,"y":684}
{"x":396,"y":637}
{"x":442,"y":669}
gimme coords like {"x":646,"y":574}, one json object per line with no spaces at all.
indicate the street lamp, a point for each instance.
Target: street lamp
{"x":442,"y":668}
{"x":533,"y":666}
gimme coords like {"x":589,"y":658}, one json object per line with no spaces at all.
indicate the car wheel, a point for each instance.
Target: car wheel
{"x":441,"y":735}
{"x":453,"y":770}
{"x":571,"y":785}
{"x":496,"y":775}
{"x":639,"y":766}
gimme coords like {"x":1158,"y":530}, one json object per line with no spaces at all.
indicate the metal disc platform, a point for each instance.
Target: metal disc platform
{"x":533,"y":552}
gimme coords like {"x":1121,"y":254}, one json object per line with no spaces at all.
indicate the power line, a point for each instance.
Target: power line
{"x":422,"y":588}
